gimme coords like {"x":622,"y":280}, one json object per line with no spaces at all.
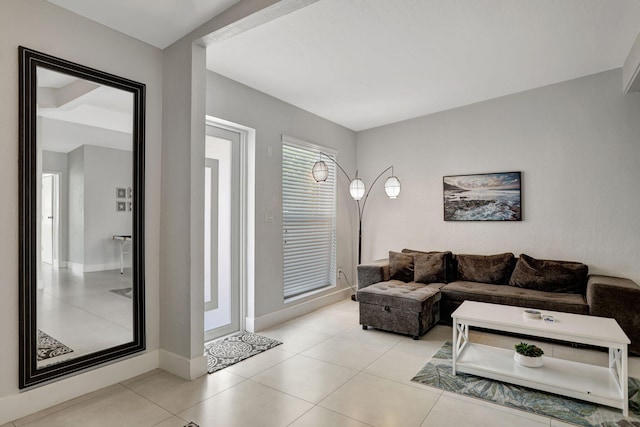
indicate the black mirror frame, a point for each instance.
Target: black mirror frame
{"x":30,"y":375}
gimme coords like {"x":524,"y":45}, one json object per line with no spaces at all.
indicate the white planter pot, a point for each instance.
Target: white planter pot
{"x":528,"y":361}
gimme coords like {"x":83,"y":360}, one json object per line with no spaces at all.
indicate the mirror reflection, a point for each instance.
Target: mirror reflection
{"x":85,"y":194}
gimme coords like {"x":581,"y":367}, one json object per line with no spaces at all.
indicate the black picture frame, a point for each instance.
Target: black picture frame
{"x":483,"y":197}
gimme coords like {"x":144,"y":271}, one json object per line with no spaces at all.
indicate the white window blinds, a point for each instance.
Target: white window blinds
{"x":309,"y":220}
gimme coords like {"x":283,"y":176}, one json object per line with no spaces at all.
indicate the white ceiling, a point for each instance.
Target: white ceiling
{"x":366,"y":63}
{"x":75,"y":111}
{"x":157,"y":22}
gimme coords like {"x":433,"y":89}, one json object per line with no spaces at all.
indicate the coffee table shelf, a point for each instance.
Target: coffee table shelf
{"x":578,"y":380}
{"x":603,"y":385}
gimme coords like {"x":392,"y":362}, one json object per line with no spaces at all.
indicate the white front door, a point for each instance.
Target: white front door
{"x":222,"y":233}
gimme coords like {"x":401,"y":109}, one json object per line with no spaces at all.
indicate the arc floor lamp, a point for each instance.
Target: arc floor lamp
{"x":358,"y":189}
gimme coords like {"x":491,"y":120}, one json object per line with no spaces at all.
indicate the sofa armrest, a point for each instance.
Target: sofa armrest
{"x":618,"y":298}
{"x":373,"y":272}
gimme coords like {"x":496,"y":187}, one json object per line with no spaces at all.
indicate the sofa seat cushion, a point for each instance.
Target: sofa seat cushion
{"x":520,"y":297}
{"x":404,"y":296}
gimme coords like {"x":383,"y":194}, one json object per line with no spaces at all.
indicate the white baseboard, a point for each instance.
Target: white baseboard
{"x":267,"y":321}
{"x":249,"y":324}
{"x":91,"y":268}
{"x":76,"y":267}
{"x":188,"y":369}
{"x":28,"y":402}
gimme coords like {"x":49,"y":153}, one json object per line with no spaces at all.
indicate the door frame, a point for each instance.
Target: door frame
{"x":234,"y":254}
{"x":56,"y":241}
{"x":246,"y":243}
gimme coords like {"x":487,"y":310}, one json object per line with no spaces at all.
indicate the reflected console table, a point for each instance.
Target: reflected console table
{"x":125,"y":247}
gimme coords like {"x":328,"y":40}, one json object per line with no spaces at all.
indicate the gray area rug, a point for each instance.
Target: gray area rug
{"x":49,"y":347}
{"x":227,"y":351}
{"x":437,"y":373}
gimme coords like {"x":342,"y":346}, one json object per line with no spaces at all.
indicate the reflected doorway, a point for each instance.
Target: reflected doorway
{"x":222,"y":264}
{"x":49,"y":224}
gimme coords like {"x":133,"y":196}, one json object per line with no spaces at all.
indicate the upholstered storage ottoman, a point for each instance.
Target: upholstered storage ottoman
{"x":395,"y":306}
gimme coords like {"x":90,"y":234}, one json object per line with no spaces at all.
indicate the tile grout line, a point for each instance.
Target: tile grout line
{"x":244,"y":379}
{"x":63,"y":406}
{"x":213,"y":395}
{"x":430,"y":409}
{"x":149,"y":400}
{"x":299,"y":353}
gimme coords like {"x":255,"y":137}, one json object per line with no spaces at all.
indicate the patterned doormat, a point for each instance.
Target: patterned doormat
{"x":437,"y":373}
{"x":49,"y":347}
{"x":235,"y":348}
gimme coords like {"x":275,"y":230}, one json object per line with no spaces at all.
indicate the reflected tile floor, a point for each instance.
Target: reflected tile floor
{"x":328,"y":372}
{"x":80,"y":311}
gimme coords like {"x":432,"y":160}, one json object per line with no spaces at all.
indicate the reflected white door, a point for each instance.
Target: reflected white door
{"x":222,"y":233}
{"x":46,"y":241}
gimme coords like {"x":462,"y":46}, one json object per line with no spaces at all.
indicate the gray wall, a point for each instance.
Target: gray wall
{"x":578,"y":146}
{"x":105,"y":169}
{"x":271,"y":118}
{"x":76,"y":206}
{"x":42,"y":26}
{"x":95,"y":173}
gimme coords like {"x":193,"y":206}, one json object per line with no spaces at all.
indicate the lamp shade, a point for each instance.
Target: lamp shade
{"x":320,"y":171}
{"x":392,"y":187}
{"x":356,"y":188}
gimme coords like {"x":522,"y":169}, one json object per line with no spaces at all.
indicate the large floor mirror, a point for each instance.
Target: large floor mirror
{"x":81,"y":217}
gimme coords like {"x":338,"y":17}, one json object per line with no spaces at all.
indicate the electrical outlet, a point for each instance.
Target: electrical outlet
{"x":338,"y":271}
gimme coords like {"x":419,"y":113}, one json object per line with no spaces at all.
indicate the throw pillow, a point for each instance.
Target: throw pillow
{"x":450,"y":273}
{"x":431,"y":267}
{"x":400,"y":266}
{"x":495,"y":269}
{"x":551,"y":276}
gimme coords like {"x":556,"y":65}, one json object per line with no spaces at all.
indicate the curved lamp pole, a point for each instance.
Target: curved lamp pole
{"x":357,"y":189}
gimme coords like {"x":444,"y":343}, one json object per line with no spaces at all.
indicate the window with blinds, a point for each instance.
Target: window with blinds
{"x":309,"y":220}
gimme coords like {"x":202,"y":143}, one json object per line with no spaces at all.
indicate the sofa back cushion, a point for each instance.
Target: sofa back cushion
{"x":450,"y":269}
{"x":550,"y":276}
{"x":431,"y":267}
{"x":400,"y":266}
{"x":494,"y":269}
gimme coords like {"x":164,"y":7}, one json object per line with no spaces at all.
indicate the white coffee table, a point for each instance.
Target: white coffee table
{"x":598,"y":384}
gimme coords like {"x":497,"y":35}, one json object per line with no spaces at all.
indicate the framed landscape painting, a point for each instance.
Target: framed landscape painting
{"x":483,"y":197}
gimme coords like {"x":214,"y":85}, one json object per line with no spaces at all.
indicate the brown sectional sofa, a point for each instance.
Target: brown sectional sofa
{"x":414,"y":290}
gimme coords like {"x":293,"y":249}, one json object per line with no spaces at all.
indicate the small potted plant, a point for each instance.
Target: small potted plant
{"x":528,"y":355}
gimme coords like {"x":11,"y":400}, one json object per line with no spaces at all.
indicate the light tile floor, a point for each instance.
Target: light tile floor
{"x":328,"y":372}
